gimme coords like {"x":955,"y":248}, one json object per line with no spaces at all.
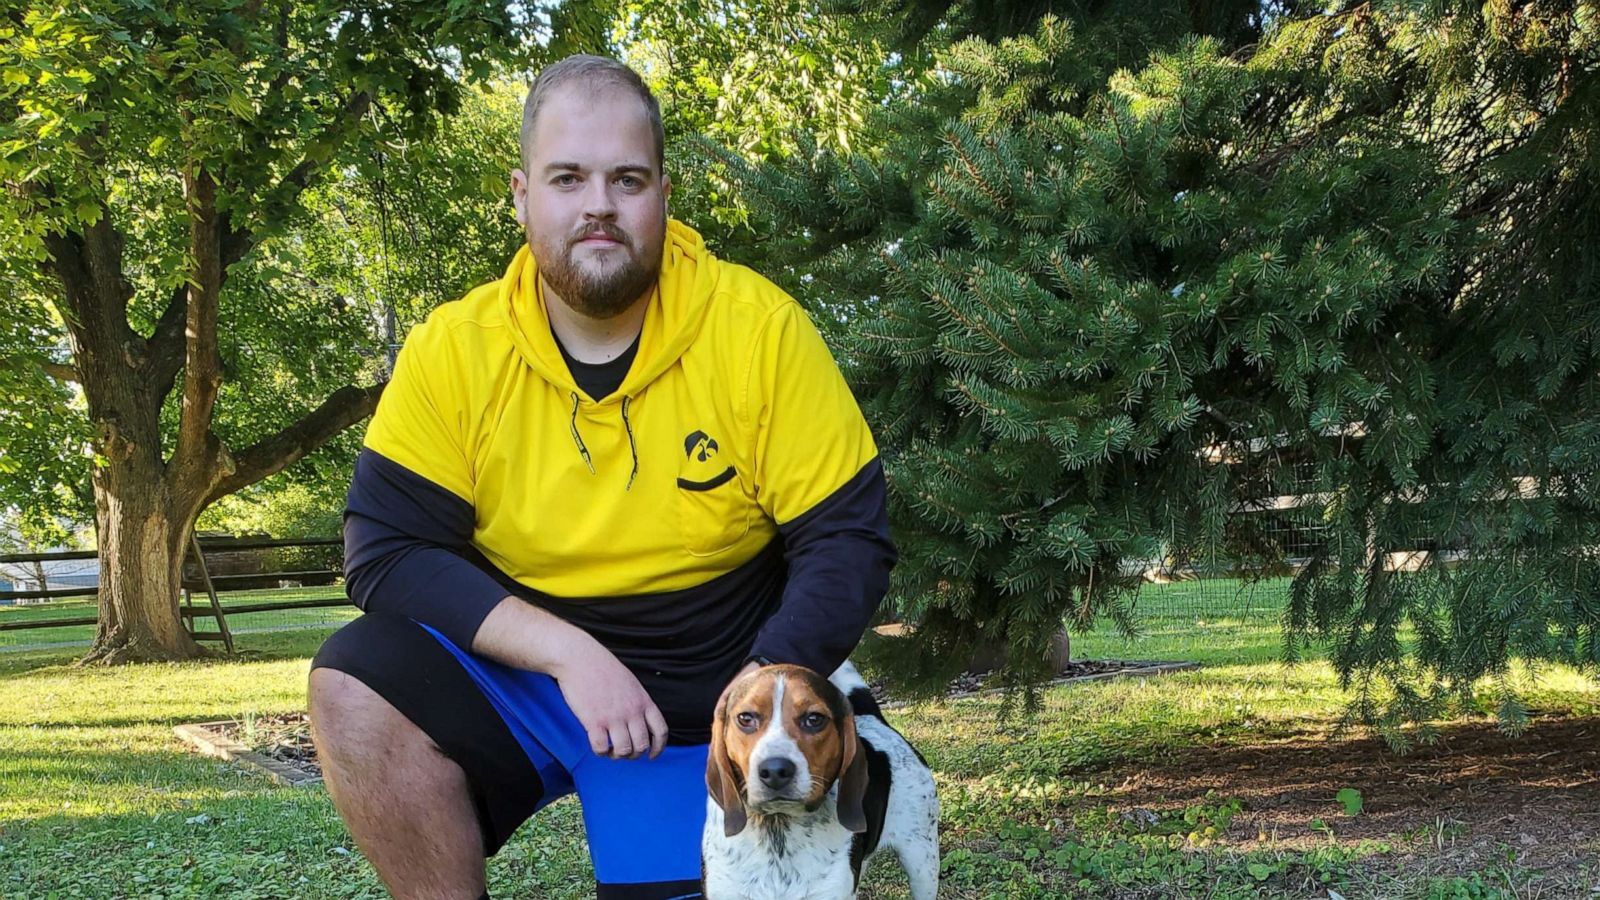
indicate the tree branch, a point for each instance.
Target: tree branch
{"x":343,"y":408}
{"x":196,"y":444}
{"x":56,"y":370}
{"x":239,"y":241}
{"x":166,"y":344}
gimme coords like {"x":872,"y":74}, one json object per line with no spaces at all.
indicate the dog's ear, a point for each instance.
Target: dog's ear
{"x":852,"y":778}
{"x":721,"y":781}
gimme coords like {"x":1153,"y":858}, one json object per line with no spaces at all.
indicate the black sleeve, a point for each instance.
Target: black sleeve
{"x":404,"y":544}
{"x":839,"y":555}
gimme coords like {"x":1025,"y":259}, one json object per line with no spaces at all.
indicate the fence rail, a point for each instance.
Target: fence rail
{"x":262,"y":584}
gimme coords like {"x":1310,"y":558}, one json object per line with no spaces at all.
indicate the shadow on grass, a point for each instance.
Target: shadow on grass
{"x":248,"y":841}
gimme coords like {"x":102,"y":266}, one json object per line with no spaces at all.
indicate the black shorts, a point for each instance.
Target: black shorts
{"x":512,"y":770}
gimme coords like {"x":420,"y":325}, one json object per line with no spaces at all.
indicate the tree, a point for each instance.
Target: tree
{"x":416,"y":223}
{"x":1504,"y":464}
{"x":765,"y":79}
{"x":1058,"y":303}
{"x":1093,"y":315}
{"x":155,"y":159}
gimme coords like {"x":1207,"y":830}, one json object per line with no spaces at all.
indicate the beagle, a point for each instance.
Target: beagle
{"x":807,"y":781}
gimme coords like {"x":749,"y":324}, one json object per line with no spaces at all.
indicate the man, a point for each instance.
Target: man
{"x":594,"y":492}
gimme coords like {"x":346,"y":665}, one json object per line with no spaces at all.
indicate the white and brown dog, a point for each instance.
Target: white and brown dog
{"x":807,"y":782}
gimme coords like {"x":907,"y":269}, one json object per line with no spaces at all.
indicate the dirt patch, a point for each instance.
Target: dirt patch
{"x":278,"y":745}
{"x":1476,"y":795}
{"x":285,"y":737}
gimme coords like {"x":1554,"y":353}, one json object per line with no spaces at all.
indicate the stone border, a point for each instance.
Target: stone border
{"x":208,"y":738}
{"x":1141,"y":670}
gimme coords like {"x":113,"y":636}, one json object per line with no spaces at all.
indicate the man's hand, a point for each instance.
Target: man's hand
{"x":620,"y":718}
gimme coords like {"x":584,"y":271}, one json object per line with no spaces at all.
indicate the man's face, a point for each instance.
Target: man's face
{"x":591,"y":200}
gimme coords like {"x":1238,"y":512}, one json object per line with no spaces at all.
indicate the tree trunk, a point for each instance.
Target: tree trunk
{"x":146,"y":503}
{"x":142,"y":543}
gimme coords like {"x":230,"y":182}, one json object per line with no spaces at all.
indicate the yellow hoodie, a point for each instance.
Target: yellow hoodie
{"x":725,"y":501}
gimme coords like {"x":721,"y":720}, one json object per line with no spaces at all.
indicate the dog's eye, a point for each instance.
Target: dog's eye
{"x":747,"y":721}
{"x":813,"y":721}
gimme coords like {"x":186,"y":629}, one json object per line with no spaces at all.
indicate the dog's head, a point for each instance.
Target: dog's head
{"x":782,"y":737}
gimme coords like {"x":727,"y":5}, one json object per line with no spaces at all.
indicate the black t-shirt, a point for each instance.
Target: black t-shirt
{"x":600,"y":380}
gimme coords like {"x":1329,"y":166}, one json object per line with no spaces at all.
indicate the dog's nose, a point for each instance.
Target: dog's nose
{"x":776,"y":773}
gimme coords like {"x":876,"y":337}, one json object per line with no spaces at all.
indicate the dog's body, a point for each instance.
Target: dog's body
{"x":832,"y":785}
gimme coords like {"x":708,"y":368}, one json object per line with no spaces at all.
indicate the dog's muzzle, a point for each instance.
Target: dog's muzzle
{"x":775,"y":782}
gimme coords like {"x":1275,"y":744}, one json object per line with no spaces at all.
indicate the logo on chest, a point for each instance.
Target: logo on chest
{"x":701,"y":470}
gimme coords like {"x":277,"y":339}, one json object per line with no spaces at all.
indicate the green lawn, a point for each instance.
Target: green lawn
{"x":98,"y":799}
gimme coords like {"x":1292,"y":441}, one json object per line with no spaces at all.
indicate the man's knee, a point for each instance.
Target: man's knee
{"x":331,"y":693}
{"x":346,"y":709}
{"x":345,"y":712}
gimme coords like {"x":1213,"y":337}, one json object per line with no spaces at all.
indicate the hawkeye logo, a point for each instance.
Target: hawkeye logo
{"x":699,"y":448}
{"x":700,"y":445}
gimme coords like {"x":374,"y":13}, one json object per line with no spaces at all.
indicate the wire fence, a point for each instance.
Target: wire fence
{"x":261,"y":585}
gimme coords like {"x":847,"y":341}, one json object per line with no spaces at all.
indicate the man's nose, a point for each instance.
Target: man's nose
{"x":776,"y":773}
{"x":598,"y":202}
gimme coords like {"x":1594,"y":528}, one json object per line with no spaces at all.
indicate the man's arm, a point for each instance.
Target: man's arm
{"x":620,"y":718}
{"x":404,"y":543}
{"x":839,"y":556}
{"x":818,"y":476}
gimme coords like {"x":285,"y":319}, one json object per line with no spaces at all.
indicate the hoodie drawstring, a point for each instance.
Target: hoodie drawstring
{"x":627,"y":425}
{"x":578,"y":438}
{"x":632,"y":447}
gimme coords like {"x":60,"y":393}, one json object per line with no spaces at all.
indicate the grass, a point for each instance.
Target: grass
{"x":99,"y":800}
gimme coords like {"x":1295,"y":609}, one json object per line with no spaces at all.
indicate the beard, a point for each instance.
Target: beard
{"x":608,"y":284}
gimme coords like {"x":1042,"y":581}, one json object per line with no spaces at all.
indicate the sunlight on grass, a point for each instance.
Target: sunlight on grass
{"x":92,"y":778}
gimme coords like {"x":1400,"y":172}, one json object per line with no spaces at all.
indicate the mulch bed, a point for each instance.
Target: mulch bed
{"x":284,"y":737}
{"x":1470,"y":800}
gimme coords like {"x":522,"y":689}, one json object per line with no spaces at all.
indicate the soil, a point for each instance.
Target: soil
{"x":1464,"y":803}
{"x":285,"y":737}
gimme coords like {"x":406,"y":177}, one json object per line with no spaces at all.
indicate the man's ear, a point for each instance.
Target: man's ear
{"x":722,"y":780}
{"x":852,"y":778}
{"x":519,"y":196}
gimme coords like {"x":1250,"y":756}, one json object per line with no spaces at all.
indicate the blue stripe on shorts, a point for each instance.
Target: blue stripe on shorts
{"x":643,"y":816}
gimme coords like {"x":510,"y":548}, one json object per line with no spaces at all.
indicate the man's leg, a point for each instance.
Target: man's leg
{"x":420,"y":763}
{"x":643,"y":817}
{"x":406,"y":804}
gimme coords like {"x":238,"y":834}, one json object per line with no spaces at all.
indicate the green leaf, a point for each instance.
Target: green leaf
{"x":1351,"y":798}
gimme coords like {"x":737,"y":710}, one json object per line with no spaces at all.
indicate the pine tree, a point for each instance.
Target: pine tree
{"x":1093,"y":317}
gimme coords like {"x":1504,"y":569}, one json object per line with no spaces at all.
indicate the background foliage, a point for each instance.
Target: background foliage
{"x":1111,"y":280}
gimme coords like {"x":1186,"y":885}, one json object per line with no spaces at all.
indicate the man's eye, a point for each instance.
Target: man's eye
{"x":630,"y":182}
{"x":813,"y":721}
{"x":748,"y":721}
{"x":565,"y":180}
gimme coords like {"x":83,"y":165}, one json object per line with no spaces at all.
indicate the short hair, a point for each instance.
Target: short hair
{"x":596,"y":71}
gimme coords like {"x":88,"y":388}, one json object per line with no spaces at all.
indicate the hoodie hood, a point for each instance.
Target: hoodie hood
{"x":672,"y":320}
